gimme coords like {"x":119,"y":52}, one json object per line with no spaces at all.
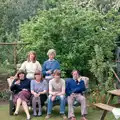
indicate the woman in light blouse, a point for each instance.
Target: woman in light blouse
{"x":31,"y":65}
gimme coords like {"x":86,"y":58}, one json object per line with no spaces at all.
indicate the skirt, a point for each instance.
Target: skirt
{"x":23,"y":95}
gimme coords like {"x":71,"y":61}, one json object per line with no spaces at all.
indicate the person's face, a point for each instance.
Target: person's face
{"x":51,"y":56}
{"x":57,"y":77}
{"x":38,"y":77}
{"x":75,"y":75}
{"x":21,"y":76}
{"x":32,"y":57}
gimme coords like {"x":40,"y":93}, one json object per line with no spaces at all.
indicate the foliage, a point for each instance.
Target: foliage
{"x":7,"y":68}
{"x":83,"y":38}
{"x":73,"y":32}
{"x":83,"y":32}
{"x":4,"y":95}
{"x":103,"y":6}
{"x":12,"y":13}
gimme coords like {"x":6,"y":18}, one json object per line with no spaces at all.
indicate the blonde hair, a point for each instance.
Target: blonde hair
{"x":28,"y":56}
{"x":51,"y":51}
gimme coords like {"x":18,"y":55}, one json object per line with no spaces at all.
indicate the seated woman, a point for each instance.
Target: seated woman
{"x":21,"y":89}
{"x":50,"y":65}
{"x":39,"y":89}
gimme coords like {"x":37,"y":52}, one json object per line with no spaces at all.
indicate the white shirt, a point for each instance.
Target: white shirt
{"x":31,"y":68}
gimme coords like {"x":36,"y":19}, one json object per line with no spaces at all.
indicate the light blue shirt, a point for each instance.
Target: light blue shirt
{"x":39,"y":86}
{"x":50,"y":65}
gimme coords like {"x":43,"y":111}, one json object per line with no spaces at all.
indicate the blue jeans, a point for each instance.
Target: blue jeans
{"x":61,"y":99}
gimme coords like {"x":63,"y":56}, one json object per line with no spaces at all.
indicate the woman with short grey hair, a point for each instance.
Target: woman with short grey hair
{"x":50,"y":65}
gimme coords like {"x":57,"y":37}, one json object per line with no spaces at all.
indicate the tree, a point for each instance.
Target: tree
{"x":73,"y":32}
{"x":103,"y":6}
{"x":12,"y":13}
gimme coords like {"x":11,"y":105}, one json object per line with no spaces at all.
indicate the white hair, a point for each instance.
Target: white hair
{"x":51,"y":51}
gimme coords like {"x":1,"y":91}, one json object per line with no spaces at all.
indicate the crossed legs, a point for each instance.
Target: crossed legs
{"x":24,"y":105}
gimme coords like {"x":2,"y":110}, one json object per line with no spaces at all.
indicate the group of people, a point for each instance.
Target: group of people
{"x":38,"y":84}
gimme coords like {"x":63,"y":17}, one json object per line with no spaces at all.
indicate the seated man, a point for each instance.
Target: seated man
{"x":74,"y":89}
{"x":56,"y":92}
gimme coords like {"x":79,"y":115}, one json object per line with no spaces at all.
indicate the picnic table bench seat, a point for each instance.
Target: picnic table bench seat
{"x":104,"y":106}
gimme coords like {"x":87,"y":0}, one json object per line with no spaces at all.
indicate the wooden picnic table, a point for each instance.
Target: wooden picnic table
{"x":112,"y":93}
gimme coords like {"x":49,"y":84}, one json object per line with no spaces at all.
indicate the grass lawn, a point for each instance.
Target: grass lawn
{"x":93,"y":114}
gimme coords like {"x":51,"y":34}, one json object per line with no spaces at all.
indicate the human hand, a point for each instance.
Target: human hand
{"x":55,"y":93}
{"x":17,"y":82}
{"x":36,"y":95}
{"x":72,"y":94}
{"x":24,"y":89}
{"x":39,"y":93}
{"x":49,"y":72}
{"x":53,"y":97}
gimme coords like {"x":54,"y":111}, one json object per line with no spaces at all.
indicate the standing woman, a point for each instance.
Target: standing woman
{"x":21,"y":90}
{"x":50,"y":65}
{"x":31,"y":65}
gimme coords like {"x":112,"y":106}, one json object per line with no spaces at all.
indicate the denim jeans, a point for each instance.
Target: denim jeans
{"x":61,"y":99}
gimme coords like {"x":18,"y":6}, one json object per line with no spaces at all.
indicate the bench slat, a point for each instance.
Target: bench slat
{"x":115,"y":92}
{"x":104,"y":106}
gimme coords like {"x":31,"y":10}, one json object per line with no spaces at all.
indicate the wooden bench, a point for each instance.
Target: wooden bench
{"x":104,"y":106}
{"x":12,"y":106}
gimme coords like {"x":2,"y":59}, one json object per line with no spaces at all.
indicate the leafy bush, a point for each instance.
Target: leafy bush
{"x":4,"y":95}
{"x":73,"y":32}
{"x":83,"y":38}
{"x":7,"y":68}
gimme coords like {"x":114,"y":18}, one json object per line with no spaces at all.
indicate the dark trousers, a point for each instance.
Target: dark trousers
{"x":43,"y":98}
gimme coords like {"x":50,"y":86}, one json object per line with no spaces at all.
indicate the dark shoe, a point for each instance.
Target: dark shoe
{"x":34,"y":114}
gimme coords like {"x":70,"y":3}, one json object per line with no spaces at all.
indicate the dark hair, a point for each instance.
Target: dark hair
{"x":39,"y":73}
{"x":57,"y":72}
{"x":75,"y":71}
{"x":21,"y":72}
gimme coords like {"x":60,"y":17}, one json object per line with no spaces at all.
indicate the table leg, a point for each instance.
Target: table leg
{"x":105,"y":111}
